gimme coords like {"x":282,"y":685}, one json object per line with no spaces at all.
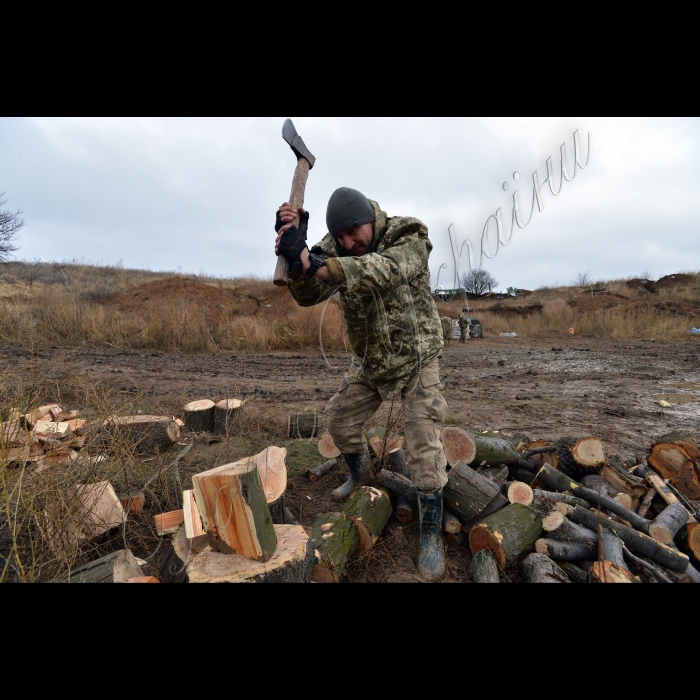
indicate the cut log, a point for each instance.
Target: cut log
{"x":522,"y":475}
{"x":292,"y":562}
{"x":553,"y":521}
{"x":403,"y":511}
{"x":539,"y":460}
{"x":459,"y":446}
{"x":234,"y":509}
{"x":539,"y":568}
{"x":398,"y":463}
{"x":398,"y":484}
{"x":494,"y":450}
{"x":571,"y":532}
{"x":646,"y":566}
{"x":451,"y":524}
{"x":624,"y":499}
{"x":146,"y":434}
{"x":496,"y":474}
{"x":499,"y":503}
{"x":484,"y":568}
{"x":198,"y":416}
{"x":558,"y":481}
{"x":616,"y":474}
{"x":468,"y":494}
{"x":336,"y":540}
{"x":302,"y":426}
{"x":613,"y":548}
{"x":195,"y":534}
{"x":370,"y":510}
{"x":662,"y":488}
{"x":674,"y":462}
{"x":579,"y":457}
{"x":271,"y":464}
{"x":575,"y":573}
{"x":518,"y":492}
{"x":383,"y":446}
{"x":596,"y":483}
{"x":325,"y":469}
{"x":168,"y":523}
{"x":609,"y":572}
{"x":665,"y":528}
{"x":635,"y":541}
{"x":520,"y":441}
{"x":508,"y":534}
{"x":688,"y":540}
{"x":327,"y":448}
{"x":118,"y":567}
{"x":41,"y":412}
{"x":96,"y":510}
{"x":52,"y":429}
{"x":228,"y":417}
{"x":566,"y":551}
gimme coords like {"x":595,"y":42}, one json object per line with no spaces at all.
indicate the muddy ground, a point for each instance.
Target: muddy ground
{"x":573,"y":387}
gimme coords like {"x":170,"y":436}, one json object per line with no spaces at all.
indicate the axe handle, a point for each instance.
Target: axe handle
{"x":296,"y":199}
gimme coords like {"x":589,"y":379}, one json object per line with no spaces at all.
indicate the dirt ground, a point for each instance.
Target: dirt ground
{"x":573,"y":387}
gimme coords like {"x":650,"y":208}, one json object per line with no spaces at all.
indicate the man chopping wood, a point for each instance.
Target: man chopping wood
{"x":379,"y":264}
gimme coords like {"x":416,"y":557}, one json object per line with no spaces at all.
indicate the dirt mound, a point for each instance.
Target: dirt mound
{"x":690,"y":309}
{"x":597,"y":303}
{"x":516,"y":311}
{"x":218,"y":303}
{"x":645,"y":285}
{"x":679,"y":280}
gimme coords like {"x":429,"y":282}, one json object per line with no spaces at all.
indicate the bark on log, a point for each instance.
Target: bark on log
{"x":688,"y":540}
{"x":571,"y":532}
{"x":613,"y":548}
{"x":566,"y":551}
{"x":326,"y":468}
{"x":271,"y":463}
{"x":228,"y":417}
{"x":508,"y":534}
{"x":494,"y":450}
{"x":468,"y":494}
{"x":635,"y":541}
{"x":199,"y":416}
{"x":403,"y":511}
{"x":336,"y":540}
{"x":674,"y":461}
{"x":370,"y":510}
{"x":579,"y":457}
{"x":522,"y":475}
{"x":562,"y":498}
{"x":616,"y":474}
{"x":484,"y":568}
{"x":457,"y":541}
{"x":667,"y":494}
{"x":451,"y":524}
{"x":397,"y":484}
{"x":146,"y":434}
{"x":398,"y":463}
{"x":558,"y":481}
{"x":645,"y":566}
{"x":117,"y":567}
{"x":327,"y":448}
{"x":459,"y":446}
{"x":596,"y":483}
{"x":539,"y":460}
{"x":496,"y":474}
{"x":609,"y":572}
{"x":665,"y":528}
{"x":646,"y":503}
{"x":575,"y":573}
{"x":539,"y":568}
{"x":235,"y":511}
{"x":292,"y":562}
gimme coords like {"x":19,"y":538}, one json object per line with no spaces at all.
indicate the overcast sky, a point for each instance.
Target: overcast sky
{"x":200,"y":194}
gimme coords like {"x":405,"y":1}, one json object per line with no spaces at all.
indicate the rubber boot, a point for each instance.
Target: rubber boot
{"x":360,"y":475}
{"x":431,"y":560}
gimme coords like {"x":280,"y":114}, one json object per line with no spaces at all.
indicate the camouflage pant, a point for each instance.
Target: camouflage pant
{"x":424,"y":410}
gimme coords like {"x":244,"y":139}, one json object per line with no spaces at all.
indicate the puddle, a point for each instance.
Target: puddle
{"x":676,"y":398}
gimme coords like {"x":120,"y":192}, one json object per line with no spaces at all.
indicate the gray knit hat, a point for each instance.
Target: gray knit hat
{"x":348,"y":209}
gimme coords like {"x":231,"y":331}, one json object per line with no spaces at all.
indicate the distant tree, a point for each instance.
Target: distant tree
{"x":478,"y":282}
{"x":583,"y":279}
{"x":10,"y":226}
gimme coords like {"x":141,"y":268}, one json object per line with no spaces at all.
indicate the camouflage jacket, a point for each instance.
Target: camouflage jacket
{"x":464,"y":320}
{"x":393,"y":324}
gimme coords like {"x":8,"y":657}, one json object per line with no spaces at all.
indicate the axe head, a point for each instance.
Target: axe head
{"x":289,"y":134}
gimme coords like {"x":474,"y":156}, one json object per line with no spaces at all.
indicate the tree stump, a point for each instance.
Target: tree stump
{"x":508,"y":534}
{"x":484,"y":568}
{"x":689,"y":540}
{"x":665,"y":528}
{"x":539,"y":568}
{"x":459,"y":446}
{"x":403,"y":511}
{"x":468,"y":494}
{"x":199,"y":416}
{"x":325,"y":469}
{"x":302,"y":426}
{"x":678,"y":461}
{"x":228,"y":417}
{"x":146,"y":434}
{"x":370,"y":510}
{"x":234,"y":510}
{"x":292,"y":562}
{"x":117,"y":567}
{"x":579,"y":457}
{"x":327,"y":448}
{"x":336,"y":540}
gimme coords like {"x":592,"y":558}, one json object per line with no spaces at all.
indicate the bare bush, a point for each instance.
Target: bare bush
{"x":11,"y":224}
{"x":583,"y":279}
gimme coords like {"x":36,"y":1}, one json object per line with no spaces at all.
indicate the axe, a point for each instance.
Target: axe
{"x":305,"y":161}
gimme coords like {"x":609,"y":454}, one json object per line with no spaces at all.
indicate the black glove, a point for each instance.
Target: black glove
{"x":303,"y":225}
{"x":293,"y":242}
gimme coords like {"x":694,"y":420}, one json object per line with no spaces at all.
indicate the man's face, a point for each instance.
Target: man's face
{"x":357,"y":241}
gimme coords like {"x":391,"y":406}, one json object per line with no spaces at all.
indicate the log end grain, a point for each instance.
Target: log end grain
{"x":521,"y":493}
{"x":327,"y":448}
{"x":459,"y":446}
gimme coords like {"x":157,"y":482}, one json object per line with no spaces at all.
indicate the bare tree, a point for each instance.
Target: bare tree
{"x":583,"y":279}
{"x":478,"y":282}
{"x":10,"y":226}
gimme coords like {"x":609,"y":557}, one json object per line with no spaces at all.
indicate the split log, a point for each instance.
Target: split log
{"x":271,"y":464}
{"x":134,"y":504}
{"x":95,"y":510}
{"x":292,"y":562}
{"x":615,"y":473}
{"x":609,"y":572}
{"x":665,"y":528}
{"x":566,"y":551}
{"x":398,"y":463}
{"x":457,"y":541}
{"x":118,"y":567}
{"x":558,"y":481}
{"x":635,"y":541}
{"x":327,"y":448}
{"x":674,"y":460}
{"x":370,"y":510}
{"x":53,"y":429}
{"x":336,"y":540}
{"x":575,"y":573}
{"x":484,"y":568}
{"x":539,"y":568}
{"x":688,"y":540}
{"x":579,"y":457}
{"x":41,"y":412}
{"x":234,"y":509}
{"x":517,"y":492}
{"x":199,"y":416}
{"x":195,"y":534}
{"x":596,"y":483}
{"x":496,"y":474}
{"x":228,"y":417}
{"x":451,"y":524}
{"x":508,"y":534}
{"x":468,"y":494}
{"x":168,"y":523}
{"x":12,"y":434}
{"x":302,"y":426}
{"x":459,"y":446}
{"x":147,"y":434}
{"x":325,"y":469}
{"x":404,"y":511}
